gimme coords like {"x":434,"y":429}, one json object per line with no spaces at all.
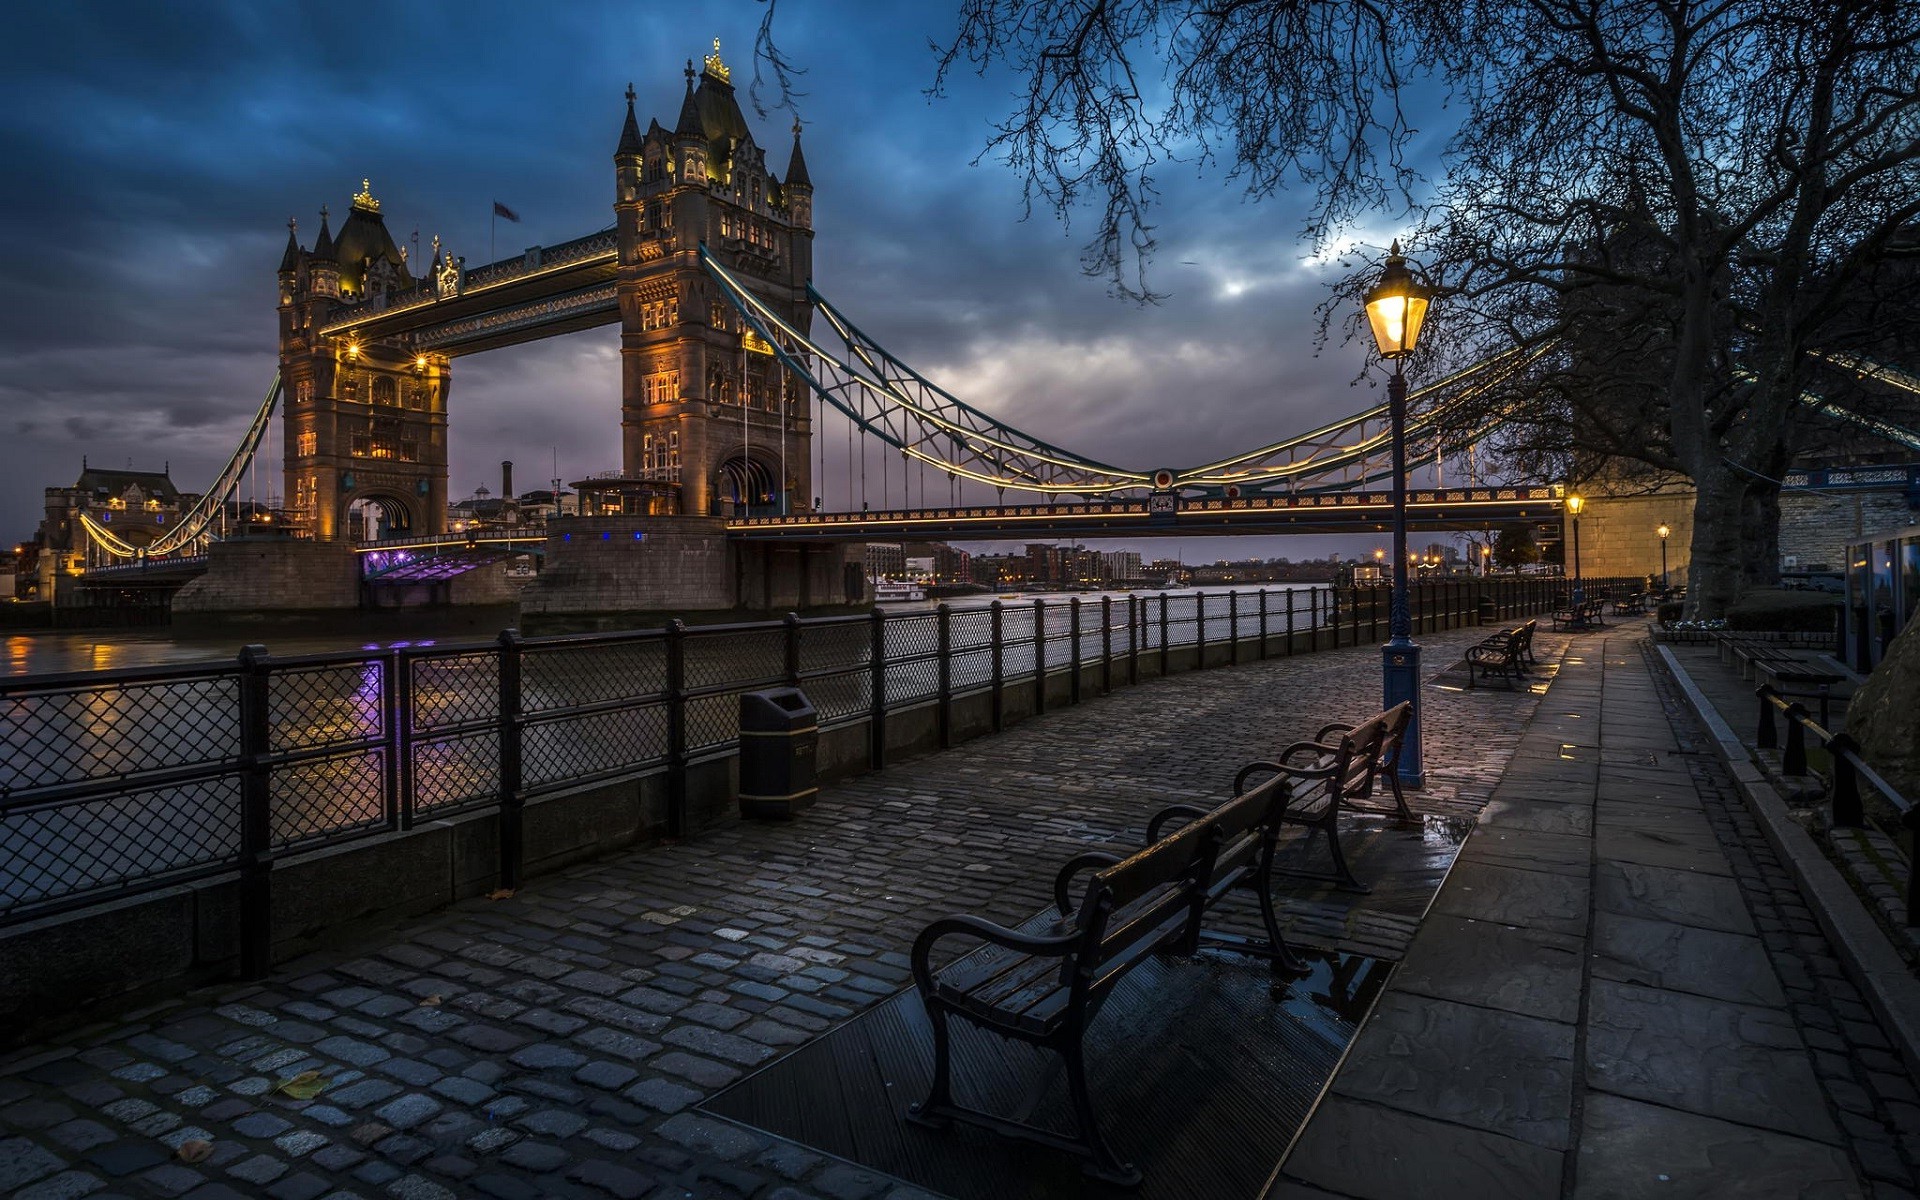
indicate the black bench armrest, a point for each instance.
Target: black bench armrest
{"x":1318,"y":748}
{"x":1054,"y":946}
{"x":1096,"y":859}
{"x":1169,"y":813}
{"x":1280,"y":768}
{"x":1336,"y":727}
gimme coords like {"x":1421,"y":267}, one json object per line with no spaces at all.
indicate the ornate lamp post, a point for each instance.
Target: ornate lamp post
{"x":1664,"y":534}
{"x":1396,"y":308}
{"x":1574,"y":505}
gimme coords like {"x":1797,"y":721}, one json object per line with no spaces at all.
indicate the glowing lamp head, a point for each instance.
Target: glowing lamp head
{"x":1575,"y":504}
{"x":353,"y":349}
{"x":1665,"y":533}
{"x":419,"y":362}
{"x":1397,"y":306}
{"x":1379,"y":554}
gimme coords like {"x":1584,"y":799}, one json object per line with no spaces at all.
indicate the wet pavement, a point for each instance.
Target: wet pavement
{"x":1620,"y":993}
{"x":1616,"y":983}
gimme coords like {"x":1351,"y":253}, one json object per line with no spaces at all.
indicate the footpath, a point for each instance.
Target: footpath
{"x":1617,"y":992}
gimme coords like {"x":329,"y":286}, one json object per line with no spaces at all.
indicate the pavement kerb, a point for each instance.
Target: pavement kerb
{"x":1875,"y":967}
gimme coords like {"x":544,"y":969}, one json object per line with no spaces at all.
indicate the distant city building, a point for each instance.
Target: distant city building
{"x":886,"y":560}
{"x":138,"y":507}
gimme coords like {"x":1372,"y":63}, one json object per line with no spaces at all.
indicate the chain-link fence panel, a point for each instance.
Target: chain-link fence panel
{"x":99,"y":845}
{"x":591,"y":745}
{"x":75,"y":734}
{"x":574,"y":675}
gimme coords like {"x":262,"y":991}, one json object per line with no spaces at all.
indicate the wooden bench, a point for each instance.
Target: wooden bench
{"x":1045,"y":989}
{"x":1584,"y":615}
{"x":1336,"y":774}
{"x":1504,"y":653}
{"x":1630,"y":606}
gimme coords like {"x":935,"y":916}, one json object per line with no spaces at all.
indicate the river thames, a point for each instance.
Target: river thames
{"x":107,"y":649}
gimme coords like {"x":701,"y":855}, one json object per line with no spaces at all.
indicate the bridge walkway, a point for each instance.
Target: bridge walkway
{"x":558,"y":1042}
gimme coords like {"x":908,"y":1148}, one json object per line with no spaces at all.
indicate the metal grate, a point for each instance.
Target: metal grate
{"x":75,"y":733}
{"x":556,"y":677}
{"x":755,"y":658}
{"x":595,"y":744}
{"x":321,"y":799}
{"x":453,"y":689}
{"x":324,"y":705}
{"x":55,"y":853}
{"x":453,"y":771}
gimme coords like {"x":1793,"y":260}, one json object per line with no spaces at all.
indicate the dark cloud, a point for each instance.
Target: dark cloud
{"x":156,"y":152}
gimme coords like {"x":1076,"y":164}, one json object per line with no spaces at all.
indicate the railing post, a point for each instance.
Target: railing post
{"x":999,"y":667}
{"x":945,"y":712}
{"x":1166,"y":664}
{"x":1073,"y":655}
{"x":1133,"y":640}
{"x":793,"y":650}
{"x":1233,"y":627}
{"x":396,"y":702}
{"x":1039,"y":657}
{"x":1313,"y":620}
{"x":256,"y":814}
{"x":1846,"y":782}
{"x":1793,"y":761}
{"x":1106,"y":645}
{"x":877,"y":693}
{"x":1766,"y":737}
{"x":512,"y":843}
{"x":676,"y":728}
{"x":1263,"y":624}
{"x":1290,"y":594}
{"x":1199,"y":630}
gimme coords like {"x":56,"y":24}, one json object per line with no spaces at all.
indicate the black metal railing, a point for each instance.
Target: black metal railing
{"x":124,"y":781}
{"x":1850,"y":772}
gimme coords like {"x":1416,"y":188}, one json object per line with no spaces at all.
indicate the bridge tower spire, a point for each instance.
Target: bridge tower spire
{"x":365,"y":419}
{"x":703,"y":404}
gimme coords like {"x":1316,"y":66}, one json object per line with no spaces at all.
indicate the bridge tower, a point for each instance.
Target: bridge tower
{"x":703,"y":403}
{"x":366,"y":423}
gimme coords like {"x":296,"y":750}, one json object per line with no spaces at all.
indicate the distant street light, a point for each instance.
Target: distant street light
{"x":1574,"y":505}
{"x":1664,"y":532}
{"x":1396,"y":308}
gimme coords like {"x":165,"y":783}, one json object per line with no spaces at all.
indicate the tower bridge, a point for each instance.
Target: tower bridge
{"x":733,"y":369}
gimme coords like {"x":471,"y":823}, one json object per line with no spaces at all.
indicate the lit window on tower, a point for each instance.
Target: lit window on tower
{"x":307,"y":443}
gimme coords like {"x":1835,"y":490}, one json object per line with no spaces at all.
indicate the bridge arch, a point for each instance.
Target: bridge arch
{"x":750,"y":482}
{"x":371,"y":515}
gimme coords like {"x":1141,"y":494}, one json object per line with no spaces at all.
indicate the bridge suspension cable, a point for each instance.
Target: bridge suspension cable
{"x":889,"y":400}
{"x":194,"y":523}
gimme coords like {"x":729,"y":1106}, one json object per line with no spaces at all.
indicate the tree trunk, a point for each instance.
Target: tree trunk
{"x":1760,"y":536}
{"x":1713,"y":579}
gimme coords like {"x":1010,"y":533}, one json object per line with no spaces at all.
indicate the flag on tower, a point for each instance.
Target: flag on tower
{"x":501,"y":210}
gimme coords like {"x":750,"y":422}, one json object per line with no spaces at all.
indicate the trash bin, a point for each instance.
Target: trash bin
{"x":779,"y":730}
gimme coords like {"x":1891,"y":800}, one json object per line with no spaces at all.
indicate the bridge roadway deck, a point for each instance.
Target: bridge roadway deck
{"x":555,"y":1043}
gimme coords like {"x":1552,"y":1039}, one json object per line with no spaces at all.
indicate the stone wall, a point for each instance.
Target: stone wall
{"x":613,"y":565}
{"x":269,"y":574}
{"x":1815,"y":527}
{"x":632,"y":564}
{"x":1619,"y":535}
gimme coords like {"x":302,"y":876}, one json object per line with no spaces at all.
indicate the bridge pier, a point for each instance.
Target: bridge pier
{"x":273,"y":578}
{"x":602,"y":569}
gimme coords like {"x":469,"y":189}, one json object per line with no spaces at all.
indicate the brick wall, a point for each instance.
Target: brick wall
{"x":1815,"y":527}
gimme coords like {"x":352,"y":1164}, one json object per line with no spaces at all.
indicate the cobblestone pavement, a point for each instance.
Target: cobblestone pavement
{"x":552,"y":1044}
{"x":1619,"y":992}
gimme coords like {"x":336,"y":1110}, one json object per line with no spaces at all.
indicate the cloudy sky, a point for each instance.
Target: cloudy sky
{"x":156,"y":152}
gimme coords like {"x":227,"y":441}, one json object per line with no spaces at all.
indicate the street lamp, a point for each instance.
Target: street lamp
{"x":1574,"y":505}
{"x":1396,"y":308}
{"x":1664,"y":533}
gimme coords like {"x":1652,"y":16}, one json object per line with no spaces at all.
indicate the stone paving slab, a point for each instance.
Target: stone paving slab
{"x":1716,"y":1048}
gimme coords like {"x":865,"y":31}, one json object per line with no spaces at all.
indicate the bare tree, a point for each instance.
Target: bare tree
{"x":1678,"y":196}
